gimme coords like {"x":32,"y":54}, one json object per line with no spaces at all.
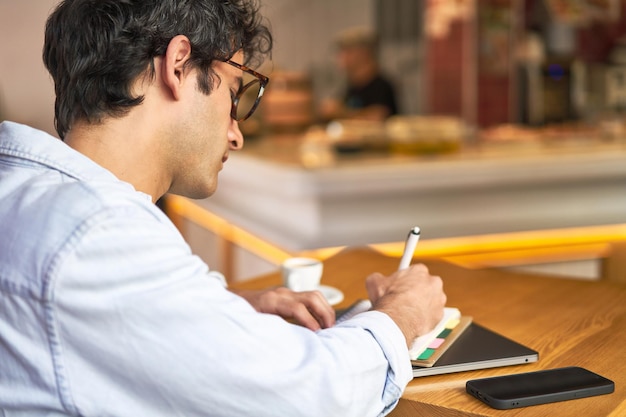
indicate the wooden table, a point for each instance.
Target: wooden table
{"x":569,"y":322}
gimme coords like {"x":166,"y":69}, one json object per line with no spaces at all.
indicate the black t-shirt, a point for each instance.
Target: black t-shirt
{"x":379,"y":91}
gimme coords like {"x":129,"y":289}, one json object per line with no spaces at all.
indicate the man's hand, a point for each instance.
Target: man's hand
{"x":412,"y":297}
{"x":308,"y":308}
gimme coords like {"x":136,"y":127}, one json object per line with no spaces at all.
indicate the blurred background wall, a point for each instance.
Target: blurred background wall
{"x":26,"y":91}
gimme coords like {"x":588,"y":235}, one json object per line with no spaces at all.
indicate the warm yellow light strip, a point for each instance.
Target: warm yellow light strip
{"x":530,"y":256}
{"x":503,"y":249}
{"x":501,"y":242}
{"x":517,"y":248}
{"x":187,"y":209}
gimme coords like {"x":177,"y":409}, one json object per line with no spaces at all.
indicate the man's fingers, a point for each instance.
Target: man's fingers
{"x":322,"y":310}
{"x":375,"y":286}
{"x":309,"y":309}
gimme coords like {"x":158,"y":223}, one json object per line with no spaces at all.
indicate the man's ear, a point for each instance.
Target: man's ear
{"x":173,"y":69}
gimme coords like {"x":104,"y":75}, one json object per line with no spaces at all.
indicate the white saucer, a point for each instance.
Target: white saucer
{"x":332,"y":294}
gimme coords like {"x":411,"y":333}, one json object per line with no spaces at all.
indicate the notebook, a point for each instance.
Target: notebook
{"x":440,"y":342}
{"x":473,"y":347}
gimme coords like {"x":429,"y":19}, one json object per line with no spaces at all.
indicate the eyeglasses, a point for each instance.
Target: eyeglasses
{"x":249,"y":95}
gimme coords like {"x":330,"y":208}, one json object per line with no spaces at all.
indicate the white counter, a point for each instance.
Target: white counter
{"x":378,"y":199}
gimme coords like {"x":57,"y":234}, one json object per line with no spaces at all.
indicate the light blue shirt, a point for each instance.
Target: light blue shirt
{"x":104,"y":311}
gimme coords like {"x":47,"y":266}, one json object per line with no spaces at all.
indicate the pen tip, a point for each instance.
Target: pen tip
{"x":415,"y":230}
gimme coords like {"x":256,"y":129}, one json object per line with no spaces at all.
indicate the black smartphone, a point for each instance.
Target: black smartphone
{"x":541,"y":387}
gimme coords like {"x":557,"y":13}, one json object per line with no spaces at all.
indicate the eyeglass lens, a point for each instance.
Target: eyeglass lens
{"x":247,"y":99}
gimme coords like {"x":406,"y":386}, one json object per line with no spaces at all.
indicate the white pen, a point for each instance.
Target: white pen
{"x":409,"y":248}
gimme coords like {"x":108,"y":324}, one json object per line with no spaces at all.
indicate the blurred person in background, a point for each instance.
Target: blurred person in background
{"x":368,"y":95}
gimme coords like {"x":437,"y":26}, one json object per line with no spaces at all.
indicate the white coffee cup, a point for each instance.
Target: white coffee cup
{"x":302,"y":274}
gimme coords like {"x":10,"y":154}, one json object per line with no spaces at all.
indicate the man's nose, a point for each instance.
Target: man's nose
{"x":235,"y":137}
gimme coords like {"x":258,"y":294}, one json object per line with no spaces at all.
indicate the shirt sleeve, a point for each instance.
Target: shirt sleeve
{"x":140,"y":326}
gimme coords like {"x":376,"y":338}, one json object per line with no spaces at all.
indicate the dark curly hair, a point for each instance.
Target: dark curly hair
{"x":96,"y":49}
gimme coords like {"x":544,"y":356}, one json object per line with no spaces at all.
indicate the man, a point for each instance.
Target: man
{"x":104,"y":311}
{"x":368,"y":95}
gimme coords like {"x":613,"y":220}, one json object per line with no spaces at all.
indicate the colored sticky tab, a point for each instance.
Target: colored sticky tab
{"x":425,"y":355}
{"x":453,"y":323}
{"x":444,"y":333}
{"x":436,"y":343}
